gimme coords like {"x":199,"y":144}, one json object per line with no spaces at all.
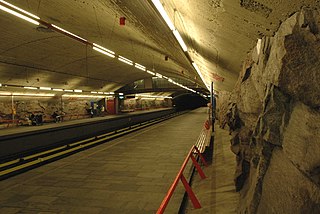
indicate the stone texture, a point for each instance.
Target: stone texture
{"x":273,"y":117}
{"x":286,"y":190}
{"x":301,"y":140}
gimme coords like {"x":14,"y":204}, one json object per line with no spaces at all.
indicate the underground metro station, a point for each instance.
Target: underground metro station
{"x":160,"y":106}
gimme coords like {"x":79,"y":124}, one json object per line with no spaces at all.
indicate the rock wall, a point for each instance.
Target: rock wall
{"x":274,"y":118}
{"x":143,"y":104}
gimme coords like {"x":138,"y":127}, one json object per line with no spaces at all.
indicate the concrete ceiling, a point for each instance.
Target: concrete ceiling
{"x":218,"y":34}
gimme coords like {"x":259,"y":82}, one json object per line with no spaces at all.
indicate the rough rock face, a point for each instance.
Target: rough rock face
{"x":274,"y":118}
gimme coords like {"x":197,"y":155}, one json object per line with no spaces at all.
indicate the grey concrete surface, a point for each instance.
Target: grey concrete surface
{"x":131,"y":174}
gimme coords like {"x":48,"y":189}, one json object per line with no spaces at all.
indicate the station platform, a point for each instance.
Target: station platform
{"x":23,"y":141}
{"x":23,"y":129}
{"x":130,"y":174}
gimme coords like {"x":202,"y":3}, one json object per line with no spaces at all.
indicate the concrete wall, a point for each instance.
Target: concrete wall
{"x":274,"y":116}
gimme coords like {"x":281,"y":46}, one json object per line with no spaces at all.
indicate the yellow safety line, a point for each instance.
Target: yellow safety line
{"x":9,"y":163}
{"x":43,"y":153}
{"x":82,"y":141}
{"x":7,"y":171}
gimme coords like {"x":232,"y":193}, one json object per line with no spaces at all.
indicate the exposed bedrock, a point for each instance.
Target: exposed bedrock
{"x":273,"y":115}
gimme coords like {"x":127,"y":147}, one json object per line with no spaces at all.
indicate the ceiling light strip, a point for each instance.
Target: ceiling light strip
{"x":19,"y":9}
{"x":176,"y":33}
{"x":199,"y":72}
{"x":180,"y":40}
{"x":159,"y":75}
{"x":150,"y":72}
{"x":103,"y":48}
{"x":19,"y":15}
{"x":57,"y":89}
{"x":104,"y":52}
{"x":163,"y":13}
{"x":125,"y":60}
{"x":141,"y":67}
{"x":83,"y":96}
{"x":45,"y":88}
{"x":68,"y":33}
{"x":30,"y":87}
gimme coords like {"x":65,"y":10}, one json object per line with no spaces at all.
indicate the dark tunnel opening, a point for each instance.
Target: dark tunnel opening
{"x":188,"y":102}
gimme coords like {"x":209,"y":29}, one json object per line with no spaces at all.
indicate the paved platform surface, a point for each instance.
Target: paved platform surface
{"x":217,"y":192}
{"x":22,"y":129}
{"x":131,"y":174}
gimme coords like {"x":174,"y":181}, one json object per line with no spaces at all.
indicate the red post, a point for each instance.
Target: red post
{"x":180,"y":176}
{"x":192,"y":196}
{"x":201,"y":173}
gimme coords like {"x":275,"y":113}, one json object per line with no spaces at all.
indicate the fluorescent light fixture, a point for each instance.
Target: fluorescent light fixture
{"x":77,"y":90}
{"x":163,"y":13}
{"x":104,"y":52}
{"x":19,"y":15}
{"x":25,"y":94}
{"x":3,"y":93}
{"x":29,"y":87}
{"x":145,"y":96}
{"x":33,"y":95}
{"x":103,"y":48}
{"x":165,"y":77}
{"x":68,"y":90}
{"x":19,"y":9}
{"x":159,"y":75}
{"x":148,"y":98}
{"x":67,"y":32}
{"x":94,"y":92}
{"x":180,"y":40}
{"x":0,"y":84}
{"x":141,"y":67}
{"x":121,"y":94}
{"x":111,"y":92}
{"x":45,"y":88}
{"x":125,"y":60}
{"x":57,"y":89}
{"x":82,"y":96}
{"x":100,"y":92}
{"x":200,"y":74}
{"x":170,"y":80}
{"x":150,"y":72}
{"x":106,"y":93}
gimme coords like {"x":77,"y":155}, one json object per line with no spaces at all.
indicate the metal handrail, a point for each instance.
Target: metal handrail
{"x":180,"y":176}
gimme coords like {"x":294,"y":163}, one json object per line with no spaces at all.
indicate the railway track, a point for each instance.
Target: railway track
{"x":36,"y":159}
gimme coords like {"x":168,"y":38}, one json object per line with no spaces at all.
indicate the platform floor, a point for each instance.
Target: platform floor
{"x":217,"y":192}
{"x":23,"y":129}
{"x":131,"y":174}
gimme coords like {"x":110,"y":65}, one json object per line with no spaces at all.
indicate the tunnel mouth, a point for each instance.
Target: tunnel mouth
{"x":188,"y":101}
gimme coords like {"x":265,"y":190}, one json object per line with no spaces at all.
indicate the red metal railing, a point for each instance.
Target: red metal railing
{"x":180,"y":176}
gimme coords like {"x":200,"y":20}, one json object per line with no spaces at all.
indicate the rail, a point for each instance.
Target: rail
{"x":16,"y":163}
{"x":180,"y":176}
